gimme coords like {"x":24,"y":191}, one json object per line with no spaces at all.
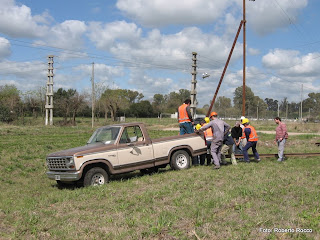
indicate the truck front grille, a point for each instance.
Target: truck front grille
{"x":58,"y":163}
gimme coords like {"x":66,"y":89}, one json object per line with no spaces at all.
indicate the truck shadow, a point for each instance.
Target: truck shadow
{"x":118,"y":177}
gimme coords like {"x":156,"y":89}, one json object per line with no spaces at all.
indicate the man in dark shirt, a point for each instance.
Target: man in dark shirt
{"x":236,"y":133}
{"x":227,"y":148}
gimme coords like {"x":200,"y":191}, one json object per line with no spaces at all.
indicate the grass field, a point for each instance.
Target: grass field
{"x":236,"y":202}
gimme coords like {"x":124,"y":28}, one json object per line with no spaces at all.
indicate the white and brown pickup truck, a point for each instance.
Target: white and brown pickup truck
{"x":122,"y":148}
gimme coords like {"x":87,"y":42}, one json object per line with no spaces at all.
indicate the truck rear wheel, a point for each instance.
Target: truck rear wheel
{"x":180,"y":160}
{"x":95,"y":176}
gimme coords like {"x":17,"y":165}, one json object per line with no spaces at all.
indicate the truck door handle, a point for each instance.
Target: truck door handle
{"x":112,"y":155}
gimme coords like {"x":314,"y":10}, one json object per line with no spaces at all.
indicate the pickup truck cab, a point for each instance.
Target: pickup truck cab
{"x":122,"y":148}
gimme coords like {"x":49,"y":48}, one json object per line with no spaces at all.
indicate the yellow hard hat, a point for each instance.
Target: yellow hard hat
{"x":245,"y":120}
{"x":207,"y":119}
{"x":198,"y":126}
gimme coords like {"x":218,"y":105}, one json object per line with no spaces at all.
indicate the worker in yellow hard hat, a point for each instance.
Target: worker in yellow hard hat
{"x":208,"y":135}
{"x":251,"y":135}
{"x":243,"y":140}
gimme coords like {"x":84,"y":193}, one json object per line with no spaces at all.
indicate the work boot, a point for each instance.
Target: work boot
{"x":216,"y":167}
{"x":234,"y":161}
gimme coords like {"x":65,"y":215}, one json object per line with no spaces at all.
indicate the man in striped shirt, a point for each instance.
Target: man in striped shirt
{"x":281,"y":137}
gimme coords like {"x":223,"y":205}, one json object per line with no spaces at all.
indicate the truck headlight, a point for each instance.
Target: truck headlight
{"x":70,"y":162}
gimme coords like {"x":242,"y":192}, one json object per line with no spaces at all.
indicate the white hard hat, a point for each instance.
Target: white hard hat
{"x":242,"y":117}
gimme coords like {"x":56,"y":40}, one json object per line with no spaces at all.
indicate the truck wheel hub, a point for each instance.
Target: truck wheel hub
{"x":97,"y":179}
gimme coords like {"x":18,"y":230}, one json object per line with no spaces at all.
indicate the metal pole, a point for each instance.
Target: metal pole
{"x":49,"y":93}
{"x":244,"y":61}
{"x":193,"y":85}
{"x":301,"y":101}
{"x":93,"y":97}
{"x":225,"y":69}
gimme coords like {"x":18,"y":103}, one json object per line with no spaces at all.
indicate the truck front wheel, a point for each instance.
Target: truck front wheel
{"x":180,"y":160}
{"x":95,"y":176}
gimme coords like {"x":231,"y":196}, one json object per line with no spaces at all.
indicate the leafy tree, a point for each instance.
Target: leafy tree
{"x":237,"y":100}
{"x":67,"y":103}
{"x":33,"y":101}
{"x":272,"y":105}
{"x":159,"y":103}
{"x":116,"y":100}
{"x":260,"y":106}
{"x":222,"y":106}
{"x":141,"y":109}
{"x":175,"y":99}
{"x":312,"y":104}
{"x":77,"y":103}
{"x":10,"y":103}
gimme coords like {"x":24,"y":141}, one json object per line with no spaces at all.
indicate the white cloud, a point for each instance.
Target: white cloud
{"x":17,"y":21}
{"x":105,"y":36}
{"x":25,"y":75}
{"x":264,"y":16}
{"x":163,"y":12}
{"x":291,"y":63}
{"x":102,"y":73}
{"x":253,"y":51}
{"x":267,"y":16}
{"x":67,"y":35}
{"x":171,"y":51}
{"x":5,"y":48}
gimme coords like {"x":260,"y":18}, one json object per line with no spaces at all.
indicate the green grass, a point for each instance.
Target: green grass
{"x":232,"y":203}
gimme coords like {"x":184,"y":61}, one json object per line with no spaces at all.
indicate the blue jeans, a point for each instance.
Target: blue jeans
{"x":185,"y":128}
{"x":237,"y":149}
{"x":252,"y":145}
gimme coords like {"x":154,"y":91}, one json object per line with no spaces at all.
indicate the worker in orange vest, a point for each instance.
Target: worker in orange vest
{"x":251,"y":135}
{"x":185,"y":118}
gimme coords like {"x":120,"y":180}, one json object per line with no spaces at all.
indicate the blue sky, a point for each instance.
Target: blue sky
{"x":147,"y":45}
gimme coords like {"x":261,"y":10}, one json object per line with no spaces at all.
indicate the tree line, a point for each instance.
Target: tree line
{"x":112,"y":103}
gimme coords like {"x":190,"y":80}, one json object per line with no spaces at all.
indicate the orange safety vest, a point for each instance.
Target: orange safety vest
{"x":208,"y":134}
{"x":253,"y":137}
{"x":183,"y":115}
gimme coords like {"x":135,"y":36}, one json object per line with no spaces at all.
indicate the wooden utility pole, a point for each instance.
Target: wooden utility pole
{"x":193,"y":85}
{"x":244,"y":61}
{"x":225,"y":69}
{"x":92,"y":96}
{"x":243,"y":22}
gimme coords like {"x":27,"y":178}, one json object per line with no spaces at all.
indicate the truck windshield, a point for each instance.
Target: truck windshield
{"x":106,"y":135}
